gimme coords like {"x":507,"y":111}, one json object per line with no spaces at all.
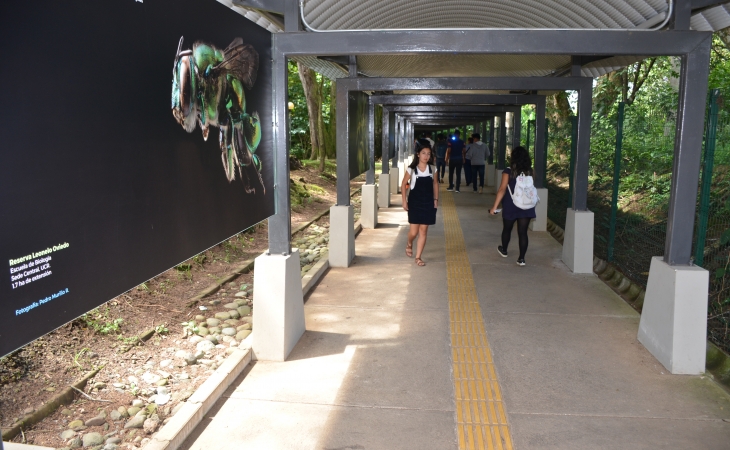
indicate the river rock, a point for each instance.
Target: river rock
{"x":75,"y":443}
{"x":203,"y":331}
{"x":205,"y":346}
{"x":240,"y":294}
{"x":113,"y":440}
{"x":133,"y":410}
{"x":151,"y":378}
{"x":232,"y":322}
{"x":244,"y":310}
{"x":222,"y":315}
{"x":92,"y":439}
{"x":214,"y":330}
{"x":245,"y":326}
{"x":75,"y":424}
{"x":123,"y":411}
{"x":212,"y":339}
{"x":136,"y":422}
{"x":68,"y":434}
{"x":230,"y":305}
{"x":228,"y":331}
{"x":115,"y":415}
{"x":213,"y":322}
{"x":234,"y":314}
{"x":151,"y":425}
{"x":241,"y":335}
{"x":138,"y":403}
{"x":195,"y":339}
{"x":95,"y":422}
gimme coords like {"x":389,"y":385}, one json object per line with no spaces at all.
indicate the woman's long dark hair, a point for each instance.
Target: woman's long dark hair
{"x":420,"y":145}
{"x":520,"y":162}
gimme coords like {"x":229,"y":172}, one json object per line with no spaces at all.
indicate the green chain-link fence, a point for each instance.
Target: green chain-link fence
{"x":630,"y":201}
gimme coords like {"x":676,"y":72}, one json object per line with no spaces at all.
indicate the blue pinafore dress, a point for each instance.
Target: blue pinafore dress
{"x":420,"y":199}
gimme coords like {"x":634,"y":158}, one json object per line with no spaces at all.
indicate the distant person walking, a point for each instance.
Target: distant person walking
{"x":442,"y":147}
{"x":477,"y":153}
{"x":421,"y":182}
{"x":428,"y":138}
{"x":455,"y":159}
{"x":520,"y":163}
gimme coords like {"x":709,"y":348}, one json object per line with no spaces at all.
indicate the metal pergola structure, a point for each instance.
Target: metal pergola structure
{"x":583,"y":46}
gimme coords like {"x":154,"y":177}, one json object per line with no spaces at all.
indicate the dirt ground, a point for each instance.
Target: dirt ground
{"x":132,"y":369}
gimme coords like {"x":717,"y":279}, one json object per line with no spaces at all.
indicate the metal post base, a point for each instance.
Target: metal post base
{"x":541,"y":210}
{"x":369,"y":212}
{"x":279,"y":318}
{"x":384,"y":190}
{"x":490,"y":175}
{"x":673,"y":325}
{"x":578,"y":241}
{"x":342,"y":236}
{"x":395,"y":180}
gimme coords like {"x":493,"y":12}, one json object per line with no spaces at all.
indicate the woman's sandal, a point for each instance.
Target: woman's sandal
{"x":409,"y":250}
{"x":420,"y":262}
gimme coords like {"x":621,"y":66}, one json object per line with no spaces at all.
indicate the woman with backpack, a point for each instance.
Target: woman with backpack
{"x":520,"y":164}
{"x":421,"y":183}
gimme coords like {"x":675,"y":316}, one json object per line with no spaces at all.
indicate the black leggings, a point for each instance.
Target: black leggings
{"x":522,"y":224}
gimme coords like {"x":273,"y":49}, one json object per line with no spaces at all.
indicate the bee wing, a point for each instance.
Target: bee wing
{"x":240,"y":60}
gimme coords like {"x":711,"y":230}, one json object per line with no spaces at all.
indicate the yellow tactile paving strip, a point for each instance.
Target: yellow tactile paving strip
{"x":481,"y":420}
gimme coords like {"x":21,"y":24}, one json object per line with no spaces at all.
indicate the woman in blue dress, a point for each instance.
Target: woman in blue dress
{"x":421,"y":183}
{"x":520,"y":163}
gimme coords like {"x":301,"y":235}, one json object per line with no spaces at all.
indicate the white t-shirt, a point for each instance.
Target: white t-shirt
{"x":430,"y":170}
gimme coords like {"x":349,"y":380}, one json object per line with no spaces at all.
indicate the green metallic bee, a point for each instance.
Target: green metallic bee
{"x":207,"y":90}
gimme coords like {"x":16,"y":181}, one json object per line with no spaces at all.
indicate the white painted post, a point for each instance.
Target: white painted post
{"x":369,"y":212}
{"x":279,"y":318}
{"x":541,"y":210}
{"x":490,"y":175}
{"x":342,"y":236}
{"x":673,"y":325}
{"x":578,"y":241}
{"x":384,"y":190}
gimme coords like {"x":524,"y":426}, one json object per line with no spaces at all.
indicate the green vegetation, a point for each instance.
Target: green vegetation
{"x":98,"y":320}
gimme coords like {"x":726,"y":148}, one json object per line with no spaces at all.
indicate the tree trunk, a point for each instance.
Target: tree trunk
{"x":314,"y":108}
{"x":331,"y":131}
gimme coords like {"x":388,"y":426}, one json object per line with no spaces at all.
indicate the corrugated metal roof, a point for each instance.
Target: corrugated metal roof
{"x":435,"y":14}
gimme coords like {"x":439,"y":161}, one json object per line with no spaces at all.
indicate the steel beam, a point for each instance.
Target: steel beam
{"x":498,"y":42}
{"x":687,"y":155}
{"x":280,"y":222}
{"x":456,"y":99}
{"x":467,"y":83}
{"x":292,"y":23}
{"x":455,"y":109}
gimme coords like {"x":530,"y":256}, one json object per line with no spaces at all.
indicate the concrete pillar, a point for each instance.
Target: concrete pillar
{"x":578,"y":241}
{"x":342,"y":236}
{"x":401,"y":169}
{"x":541,"y":210}
{"x":489,"y":171}
{"x":395,"y":179}
{"x":497,"y":179}
{"x":279,"y":319}
{"x":673,"y":325}
{"x":369,"y":206}
{"x":384,"y":190}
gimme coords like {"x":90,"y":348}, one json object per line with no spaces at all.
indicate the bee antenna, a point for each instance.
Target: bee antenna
{"x":179,"y":45}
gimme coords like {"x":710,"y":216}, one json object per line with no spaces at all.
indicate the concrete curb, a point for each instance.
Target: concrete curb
{"x":174,"y":433}
{"x":717,"y":361}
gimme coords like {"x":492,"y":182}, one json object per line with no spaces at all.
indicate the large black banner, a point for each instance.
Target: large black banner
{"x":106,"y":176}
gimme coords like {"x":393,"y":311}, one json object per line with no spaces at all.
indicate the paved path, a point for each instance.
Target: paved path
{"x":376,"y":368}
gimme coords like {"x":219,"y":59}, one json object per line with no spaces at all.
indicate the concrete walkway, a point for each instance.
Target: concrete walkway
{"x":374,"y":369}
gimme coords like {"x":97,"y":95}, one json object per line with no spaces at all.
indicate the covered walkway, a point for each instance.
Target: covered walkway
{"x":470,"y":349}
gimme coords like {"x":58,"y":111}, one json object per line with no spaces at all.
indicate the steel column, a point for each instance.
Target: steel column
{"x":540,"y":147}
{"x":370,"y":174}
{"x":491,"y":140}
{"x":387,"y":136}
{"x":687,"y":154}
{"x":502,"y":141}
{"x":280,"y":223}
{"x":343,"y":144}
{"x":517,"y":128}
{"x":710,"y":138}
{"x":583,"y":148}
